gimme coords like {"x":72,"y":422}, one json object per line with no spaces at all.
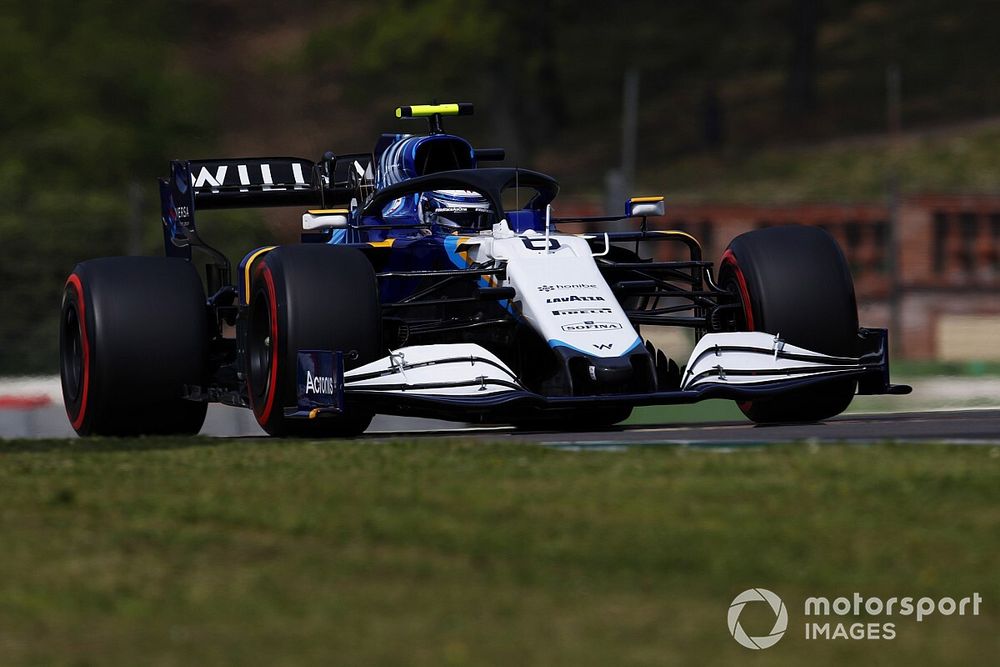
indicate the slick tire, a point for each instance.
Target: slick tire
{"x":308,"y":297}
{"x":794,"y":281}
{"x":133,"y":332}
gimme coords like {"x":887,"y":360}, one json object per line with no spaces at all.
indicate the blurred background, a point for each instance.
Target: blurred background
{"x":879,"y":121}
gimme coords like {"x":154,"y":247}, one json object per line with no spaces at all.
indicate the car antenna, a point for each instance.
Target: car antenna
{"x":434,"y":120}
{"x":517,"y":188}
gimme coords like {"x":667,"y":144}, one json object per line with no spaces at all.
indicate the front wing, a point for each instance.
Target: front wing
{"x":465,"y":382}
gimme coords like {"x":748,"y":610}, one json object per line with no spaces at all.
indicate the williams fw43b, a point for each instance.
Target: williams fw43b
{"x":429,"y":285}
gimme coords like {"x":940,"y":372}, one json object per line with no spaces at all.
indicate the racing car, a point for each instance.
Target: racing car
{"x":428,"y":284}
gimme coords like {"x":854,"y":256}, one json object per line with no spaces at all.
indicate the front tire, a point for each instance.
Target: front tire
{"x":309,"y":297}
{"x":133,"y":333}
{"x":795,"y":282}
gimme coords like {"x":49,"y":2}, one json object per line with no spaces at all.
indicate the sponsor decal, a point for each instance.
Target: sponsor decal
{"x":591,"y":326}
{"x":549,"y":288}
{"x":318,"y":380}
{"x":583,"y":311}
{"x":570,"y":299}
{"x":318,"y":384}
{"x":215,"y":175}
{"x":603,"y":346}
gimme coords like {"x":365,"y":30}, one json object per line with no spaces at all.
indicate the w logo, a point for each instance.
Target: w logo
{"x":603,"y":346}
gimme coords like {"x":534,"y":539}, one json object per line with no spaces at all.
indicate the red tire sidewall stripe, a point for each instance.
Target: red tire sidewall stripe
{"x":74,"y":281}
{"x":272,"y":387}
{"x":728,"y":258}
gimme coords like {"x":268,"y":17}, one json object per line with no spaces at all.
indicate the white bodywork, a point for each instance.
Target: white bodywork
{"x":467,"y":370}
{"x":762,"y":358}
{"x":560,"y":290}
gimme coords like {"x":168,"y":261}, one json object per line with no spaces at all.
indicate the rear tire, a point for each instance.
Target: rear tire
{"x":794,"y":281}
{"x":133,"y":332}
{"x":309,"y":297}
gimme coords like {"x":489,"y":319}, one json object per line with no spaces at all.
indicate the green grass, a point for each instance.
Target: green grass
{"x":444,"y":552}
{"x":911,"y":369}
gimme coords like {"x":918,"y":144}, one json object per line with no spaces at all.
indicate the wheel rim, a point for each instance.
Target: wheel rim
{"x":71,"y":357}
{"x":739,"y":315}
{"x":733,"y":281}
{"x":259,"y":347}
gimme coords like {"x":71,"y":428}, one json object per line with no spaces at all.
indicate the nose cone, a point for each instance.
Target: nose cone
{"x":610,"y":372}
{"x":591,"y":375}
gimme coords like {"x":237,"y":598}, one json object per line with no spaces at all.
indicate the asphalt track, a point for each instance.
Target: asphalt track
{"x":972,"y":427}
{"x":968,"y":426}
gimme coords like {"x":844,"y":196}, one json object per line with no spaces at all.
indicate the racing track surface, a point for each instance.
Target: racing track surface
{"x":974,"y":426}
{"x":980,"y":426}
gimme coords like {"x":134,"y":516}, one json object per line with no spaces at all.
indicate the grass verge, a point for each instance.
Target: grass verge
{"x":203,"y":551}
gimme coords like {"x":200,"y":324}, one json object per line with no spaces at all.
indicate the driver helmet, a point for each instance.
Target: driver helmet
{"x":456,"y":209}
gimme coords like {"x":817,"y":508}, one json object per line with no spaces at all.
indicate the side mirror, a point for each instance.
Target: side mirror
{"x":327,"y":218}
{"x":644,"y":206}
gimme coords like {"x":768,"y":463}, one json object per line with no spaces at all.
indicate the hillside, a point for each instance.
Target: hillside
{"x":715,"y":87}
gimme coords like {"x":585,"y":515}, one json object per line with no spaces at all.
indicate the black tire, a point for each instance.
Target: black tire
{"x":133,"y":332}
{"x":317,"y":297}
{"x":794,"y":281}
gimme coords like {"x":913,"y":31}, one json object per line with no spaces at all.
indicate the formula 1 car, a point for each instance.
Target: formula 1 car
{"x":429,"y":285}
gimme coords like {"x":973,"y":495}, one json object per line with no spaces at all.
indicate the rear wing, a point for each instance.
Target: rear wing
{"x":254,"y":183}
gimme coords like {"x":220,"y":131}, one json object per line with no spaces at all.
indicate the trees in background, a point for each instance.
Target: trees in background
{"x":97,"y":95}
{"x":92,"y":103}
